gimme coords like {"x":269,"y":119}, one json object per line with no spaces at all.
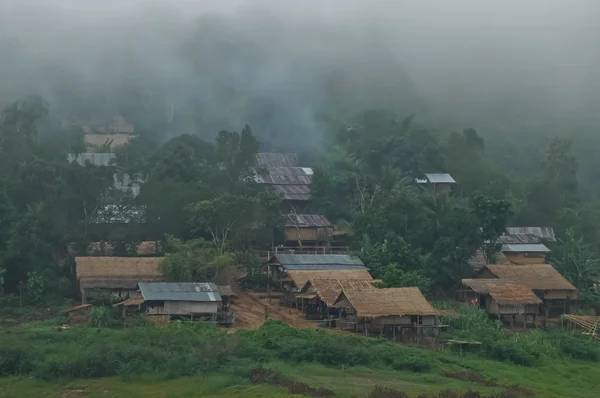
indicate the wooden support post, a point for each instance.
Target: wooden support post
{"x":394,"y":331}
{"x":83,"y":296}
{"x":525,"y":322}
{"x":512,"y":321}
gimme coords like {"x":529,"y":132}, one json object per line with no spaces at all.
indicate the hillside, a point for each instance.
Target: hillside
{"x":192,"y":360}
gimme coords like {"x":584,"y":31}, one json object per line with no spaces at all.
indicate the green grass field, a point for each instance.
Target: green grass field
{"x":558,"y":380}
{"x":36,"y":360}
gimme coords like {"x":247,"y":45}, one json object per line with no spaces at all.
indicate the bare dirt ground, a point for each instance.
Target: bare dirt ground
{"x":249,"y":309}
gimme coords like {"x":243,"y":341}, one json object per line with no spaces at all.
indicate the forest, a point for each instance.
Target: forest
{"x":200,"y":199}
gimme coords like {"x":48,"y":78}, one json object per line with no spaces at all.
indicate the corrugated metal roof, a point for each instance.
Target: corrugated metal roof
{"x":524,"y":248}
{"x":170,"y":291}
{"x":307,"y":221}
{"x":541,"y":232}
{"x":96,"y":159}
{"x":293,"y":192}
{"x":518,"y":239}
{"x":436,"y":178}
{"x":274,"y":159}
{"x":287,"y":175}
{"x":316,"y":259}
{"x":322,"y":267}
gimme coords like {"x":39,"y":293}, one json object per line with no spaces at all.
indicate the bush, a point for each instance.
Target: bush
{"x":14,"y":361}
{"x":102,"y":317}
{"x":506,"y":350}
{"x":580,"y":349}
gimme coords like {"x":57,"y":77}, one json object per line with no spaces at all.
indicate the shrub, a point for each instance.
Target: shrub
{"x":506,"y":350}
{"x":580,"y":349}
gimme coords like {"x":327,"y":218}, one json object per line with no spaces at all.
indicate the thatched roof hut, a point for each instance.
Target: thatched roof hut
{"x":328,"y":290}
{"x":386,"y":302}
{"x":534,"y":276}
{"x":503,"y":292}
{"x":300,"y":277}
{"x":116,"y":272}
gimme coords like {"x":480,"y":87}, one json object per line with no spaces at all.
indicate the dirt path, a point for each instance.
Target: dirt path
{"x":249,"y":309}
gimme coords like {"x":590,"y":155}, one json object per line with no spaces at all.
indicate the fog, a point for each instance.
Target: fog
{"x":197,"y":67}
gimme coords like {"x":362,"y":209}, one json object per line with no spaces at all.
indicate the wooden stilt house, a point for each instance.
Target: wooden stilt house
{"x":502,"y":299}
{"x":398,"y":313}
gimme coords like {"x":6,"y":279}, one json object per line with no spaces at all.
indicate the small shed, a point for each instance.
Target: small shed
{"x":545,"y":281}
{"x":318,"y":295}
{"x":441,"y":182}
{"x":502,"y":298}
{"x":119,"y":275}
{"x":308,"y":229}
{"x":404,"y":310}
{"x":181,"y":299}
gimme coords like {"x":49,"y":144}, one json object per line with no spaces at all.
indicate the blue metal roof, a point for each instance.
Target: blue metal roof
{"x":317,"y":259}
{"x":169,"y":291}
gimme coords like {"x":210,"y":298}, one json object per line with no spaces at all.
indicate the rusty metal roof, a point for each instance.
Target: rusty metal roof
{"x":546,"y":233}
{"x":287,"y":175}
{"x":518,"y":239}
{"x":274,"y":159}
{"x":293,"y":192}
{"x":307,"y":221}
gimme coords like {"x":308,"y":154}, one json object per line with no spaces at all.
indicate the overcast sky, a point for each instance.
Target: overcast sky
{"x":461,"y":51}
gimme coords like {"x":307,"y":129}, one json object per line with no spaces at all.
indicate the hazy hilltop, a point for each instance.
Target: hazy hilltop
{"x":180,"y":67}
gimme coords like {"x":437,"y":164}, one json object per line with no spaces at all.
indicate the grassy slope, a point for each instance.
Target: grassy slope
{"x":562,"y":379}
{"x":552,"y":378}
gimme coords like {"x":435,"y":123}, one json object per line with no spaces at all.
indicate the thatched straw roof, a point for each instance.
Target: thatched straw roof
{"x":387,"y":302}
{"x":301,"y":277}
{"x":503,"y":292}
{"x":117,"y":272}
{"x":534,"y":276}
{"x":328,"y":290}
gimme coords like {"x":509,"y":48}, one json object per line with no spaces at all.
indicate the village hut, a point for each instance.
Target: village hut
{"x":318,"y":296}
{"x":502,"y":299}
{"x":181,"y":299}
{"x":308,"y":229}
{"x":402,"y":312}
{"x":292,"y":271}
{"x":523,"y":248}
{"x":545,"y":281}
{"x":119,"y":275}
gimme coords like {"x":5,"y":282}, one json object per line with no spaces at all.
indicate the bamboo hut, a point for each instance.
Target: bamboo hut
{"x":119,"y":275}
{"x":398,"y":312}
{"x":545,"y":281}
{"x":502,"y":298}
{"x":318,"y":296}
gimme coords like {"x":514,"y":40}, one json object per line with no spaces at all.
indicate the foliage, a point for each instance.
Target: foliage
{"x":194,"y":261}
{"x":101,"y":317}
{"x":394,"y":276}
